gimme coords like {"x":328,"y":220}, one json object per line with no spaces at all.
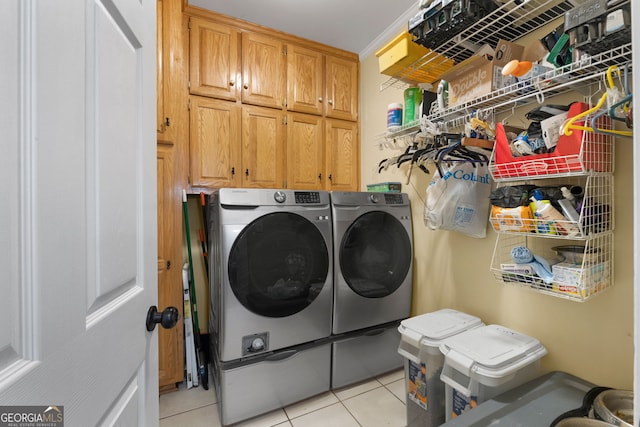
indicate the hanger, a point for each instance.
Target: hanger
{"x":569,"y":126}
{"x":612,"y":95}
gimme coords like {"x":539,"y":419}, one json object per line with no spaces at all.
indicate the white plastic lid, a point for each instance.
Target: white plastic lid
{"x":493,"y":351}
{"x":431,"y":328}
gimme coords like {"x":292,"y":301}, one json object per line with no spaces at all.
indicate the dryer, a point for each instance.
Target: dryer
{"x":373,"y":257}
{"x":271,"y":270}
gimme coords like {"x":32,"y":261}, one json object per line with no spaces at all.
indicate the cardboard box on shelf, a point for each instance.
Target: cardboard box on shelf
{"x":578,"y":280}
{"x":478,"y":75}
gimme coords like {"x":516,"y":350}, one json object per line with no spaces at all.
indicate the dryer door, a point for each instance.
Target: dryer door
{"x":278,"y":264}
{"x":375,"y":255}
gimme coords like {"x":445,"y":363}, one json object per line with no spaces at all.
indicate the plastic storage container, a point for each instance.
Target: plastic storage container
{"x":484,"y":362}
{"x":421,"y":337}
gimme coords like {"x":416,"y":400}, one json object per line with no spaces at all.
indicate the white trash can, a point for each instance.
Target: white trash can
{"x":421,"y":337}
{"x":484,"y":362}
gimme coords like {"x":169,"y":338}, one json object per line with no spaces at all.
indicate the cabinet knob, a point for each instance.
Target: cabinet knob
{"x":231,"y":83}
{"x":330,"y":102}
{"x":320,"y":176}
{"x":246,"y":86}
{"x":330,"y":178}
{"x":233,"y":171}
{"x":246,"y":172}
{"x":320,"y":99}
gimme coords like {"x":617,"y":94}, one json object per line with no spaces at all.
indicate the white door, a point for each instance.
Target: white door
{"x":78,"y":209}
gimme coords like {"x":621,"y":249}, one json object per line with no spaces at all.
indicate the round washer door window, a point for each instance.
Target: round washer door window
{"x":278,"y":264}
{"x":375,"y":255}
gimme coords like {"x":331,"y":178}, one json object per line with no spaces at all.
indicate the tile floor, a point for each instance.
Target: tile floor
{"x":373,"y":403}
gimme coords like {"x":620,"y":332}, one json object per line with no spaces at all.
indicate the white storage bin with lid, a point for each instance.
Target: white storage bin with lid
{"x":421,"y":337}
{"x":484,"y":362}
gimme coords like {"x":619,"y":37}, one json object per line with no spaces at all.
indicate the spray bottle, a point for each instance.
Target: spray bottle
{"x":549,"y":220}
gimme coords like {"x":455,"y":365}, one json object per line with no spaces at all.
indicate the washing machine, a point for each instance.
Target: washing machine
{"x":271,"y":270}
{"x":373,"y":257}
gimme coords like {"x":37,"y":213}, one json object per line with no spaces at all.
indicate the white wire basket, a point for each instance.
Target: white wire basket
{"x":585,"y":272}
{"x":581,"y":153}
{"x":596,"y":210}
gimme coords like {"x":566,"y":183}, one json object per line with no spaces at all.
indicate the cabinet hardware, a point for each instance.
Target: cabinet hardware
{"x":320,"y":176}
{"x":167,"y":122}
{"x":330,"y":102}
{"x":233,"y":171}
{"x":330,"y":178}
{"x":246,"y":86}
{"x":246,"y":172}
{"x":320,"y":99}
{"x":231,"y":83}
{"x":169,"y":265}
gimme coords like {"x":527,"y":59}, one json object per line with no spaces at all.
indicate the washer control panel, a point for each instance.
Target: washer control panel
{"x":307,"y":197}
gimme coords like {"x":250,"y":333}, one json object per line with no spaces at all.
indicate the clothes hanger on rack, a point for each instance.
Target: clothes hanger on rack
{"x":569,"y":126}
{"x":615,"y":99}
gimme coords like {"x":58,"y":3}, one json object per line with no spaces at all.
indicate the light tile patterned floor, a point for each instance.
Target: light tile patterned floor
{"x":374,"y":403}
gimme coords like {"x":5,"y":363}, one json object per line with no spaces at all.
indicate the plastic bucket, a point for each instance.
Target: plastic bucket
{"x":482,"y":363}
{"x":421,"y":337}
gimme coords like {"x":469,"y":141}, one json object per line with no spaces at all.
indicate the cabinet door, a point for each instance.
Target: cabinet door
{"x":305,"y":152}
{"x":170,"y":341}
{"x":341,"y":80}
{"x":343,"y":154}
{"x":214,"y":146}
{"x":263,"y":70}
{"x":213,"y":59}
{"x":262,"y":147}
{"x":304,"y":80}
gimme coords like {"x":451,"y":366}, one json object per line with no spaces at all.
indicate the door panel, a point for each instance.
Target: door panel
{"x":215,"y":143}
{"x":305,"y":152}
{"x":304,"y":80}
{"x":343,"y":154}
{"x":213,"y":59}
{"x":262,"y":148}
{"x":263,"y":70}
{"x":78,"y":169}
{"x":342,"y":88}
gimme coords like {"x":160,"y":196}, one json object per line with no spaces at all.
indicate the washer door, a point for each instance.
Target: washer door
{"x":375,"y":255}
{"x":278,"y":264}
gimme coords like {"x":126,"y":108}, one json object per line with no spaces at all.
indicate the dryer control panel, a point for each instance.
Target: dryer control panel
{"x":393,"y":199}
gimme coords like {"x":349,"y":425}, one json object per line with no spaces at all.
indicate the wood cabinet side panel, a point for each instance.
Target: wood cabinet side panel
{"x":170,"y":341}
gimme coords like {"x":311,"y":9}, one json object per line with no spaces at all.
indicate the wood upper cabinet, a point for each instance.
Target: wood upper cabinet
{"x":234,"y":146}
{"x":214,"y":142}
{"x":263,"y":142}
{"x":305,"y":152}
{"x":343,"y":155}
{"x":263,"y":70}
{"x":341,"y":82}
{"x":213,"y":59}
{"x":305,"y":80}
{"x":170,"y":341}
